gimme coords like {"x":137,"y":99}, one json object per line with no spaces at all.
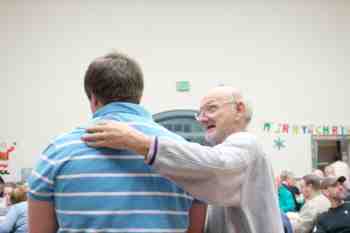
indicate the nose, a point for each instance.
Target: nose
{"x":201,"y":117}
{"x":203,"y":121}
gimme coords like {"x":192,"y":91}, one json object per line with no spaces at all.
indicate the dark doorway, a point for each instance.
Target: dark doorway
{"x":328,"y":149}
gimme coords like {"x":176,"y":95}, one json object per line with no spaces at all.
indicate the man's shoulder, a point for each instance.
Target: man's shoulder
{"x":324,"y":217}
{"x":21,"y":207}
{"x":66,"y":141}
{"x":243,"y":136}
{"x":244,"y":140}
{"x":72,"y":135}
{"x":321,"y":201}
{"x":315,"y":205}
{"x":344,"y":207}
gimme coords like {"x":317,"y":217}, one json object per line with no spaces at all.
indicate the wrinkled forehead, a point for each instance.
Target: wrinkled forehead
{"x":215,"y":98}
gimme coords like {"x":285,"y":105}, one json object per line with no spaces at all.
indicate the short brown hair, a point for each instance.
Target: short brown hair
{"x":314,"y":180}
{"x":114,"y":77}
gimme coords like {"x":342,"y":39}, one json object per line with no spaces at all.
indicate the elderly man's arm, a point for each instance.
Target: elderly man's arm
{"x":117,"y":135}
{"x":214,"y":174}
{"x":41,"y":217}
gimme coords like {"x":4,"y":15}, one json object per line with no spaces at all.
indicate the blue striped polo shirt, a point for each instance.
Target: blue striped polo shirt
{"x":105,"y":190}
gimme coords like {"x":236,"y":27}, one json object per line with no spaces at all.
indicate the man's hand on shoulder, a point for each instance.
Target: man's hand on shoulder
{"x":117,"y":135}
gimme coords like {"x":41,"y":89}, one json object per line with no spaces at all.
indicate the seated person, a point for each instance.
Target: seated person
{"x":285,"y":195}
{"x":336,"y":219}
{"x":315,"y":204}
{"x":16,"y":218}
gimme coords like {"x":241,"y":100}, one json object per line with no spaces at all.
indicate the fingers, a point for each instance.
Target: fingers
{"x":96,"y":143}
{"x":94,"y":137}
{"x":103,"y":122}
{"x":96,"y":129}
{"x":107,"y":134}
{"x":104,"y":126}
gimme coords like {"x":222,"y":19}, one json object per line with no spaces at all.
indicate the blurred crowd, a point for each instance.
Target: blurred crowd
{"x":13,"y":207}
{"x":317,"y":202}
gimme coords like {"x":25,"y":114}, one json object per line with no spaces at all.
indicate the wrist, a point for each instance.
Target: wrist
{"x":142,"y":144}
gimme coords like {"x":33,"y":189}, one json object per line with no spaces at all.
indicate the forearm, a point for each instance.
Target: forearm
{"x":203,"y":171}
{"x":195,"y":157}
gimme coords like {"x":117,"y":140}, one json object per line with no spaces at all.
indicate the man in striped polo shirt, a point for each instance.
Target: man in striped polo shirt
{"x":76,"y":188}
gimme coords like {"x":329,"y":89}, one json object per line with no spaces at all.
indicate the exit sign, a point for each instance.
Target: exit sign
{"x":182,"y":86}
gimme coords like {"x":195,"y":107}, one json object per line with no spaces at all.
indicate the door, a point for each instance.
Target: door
{"x":328,"y":149}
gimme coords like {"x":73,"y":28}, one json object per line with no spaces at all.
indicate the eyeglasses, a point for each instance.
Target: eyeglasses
{"x":209,"y":110}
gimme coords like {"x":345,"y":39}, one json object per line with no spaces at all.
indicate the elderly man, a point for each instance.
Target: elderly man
{"x":315,"y":204}
{"x":234,"y":176}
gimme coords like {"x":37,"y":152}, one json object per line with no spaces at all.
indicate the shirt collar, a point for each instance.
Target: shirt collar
{"x":122,"y":107}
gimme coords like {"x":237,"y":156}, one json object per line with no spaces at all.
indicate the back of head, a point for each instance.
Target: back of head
{"x":114,"y":77}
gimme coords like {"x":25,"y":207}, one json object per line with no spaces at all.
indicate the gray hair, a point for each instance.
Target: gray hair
{"x":237,"y":96}
{"x":286,"y":174}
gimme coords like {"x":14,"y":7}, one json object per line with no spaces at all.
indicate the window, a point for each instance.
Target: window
{"x":187,"y":128}
{"x":183,"y":123}
{"x":178,"y":128}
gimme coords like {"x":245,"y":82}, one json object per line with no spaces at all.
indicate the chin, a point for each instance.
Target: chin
{"x":210,"y":139}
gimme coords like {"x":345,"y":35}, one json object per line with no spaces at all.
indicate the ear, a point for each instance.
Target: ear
{"x":94,"y":103}
{"x":240,"y":109}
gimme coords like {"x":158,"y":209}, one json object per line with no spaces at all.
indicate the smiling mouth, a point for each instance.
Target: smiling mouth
{"x":209,"y":127}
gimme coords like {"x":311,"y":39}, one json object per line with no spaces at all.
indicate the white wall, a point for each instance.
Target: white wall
{"x":290,"y":57}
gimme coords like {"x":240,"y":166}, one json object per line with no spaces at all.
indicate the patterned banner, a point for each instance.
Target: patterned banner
{"x":285,"y":128}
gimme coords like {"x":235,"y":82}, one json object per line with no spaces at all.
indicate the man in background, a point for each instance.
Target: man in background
{"x":337,"y":218}
{"x":315,"y":204}
{"x":76,"y":188}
